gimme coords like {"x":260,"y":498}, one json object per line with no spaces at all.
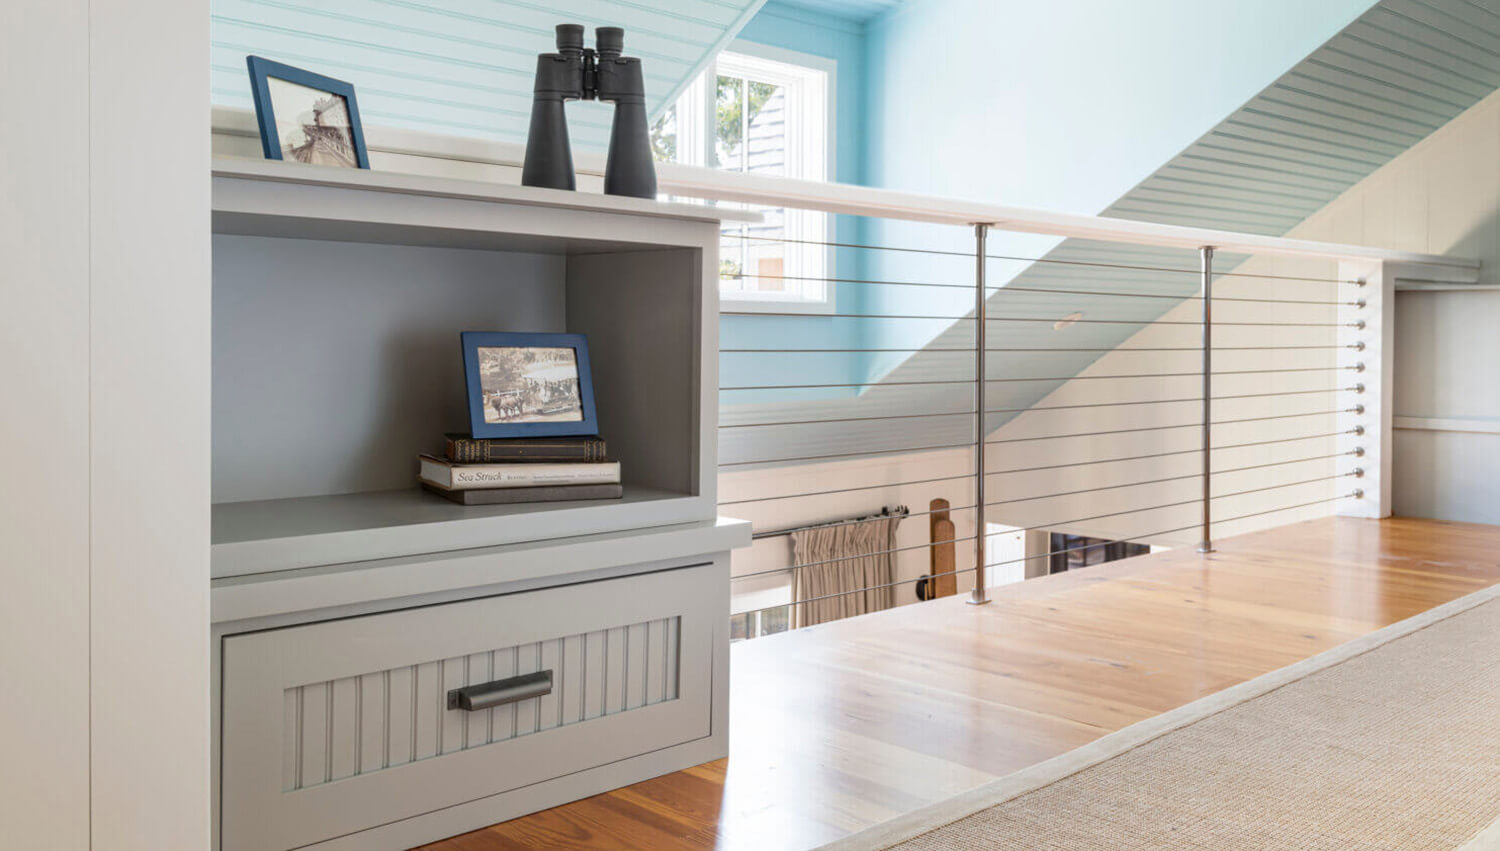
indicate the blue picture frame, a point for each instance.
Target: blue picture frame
{"x":473,"y":341}
{"x":262,"y":70}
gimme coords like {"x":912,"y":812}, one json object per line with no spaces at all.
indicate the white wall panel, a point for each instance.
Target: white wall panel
{"x":1441,"y":196}
{"x":44,"y":373}
{"x":103,"y":334}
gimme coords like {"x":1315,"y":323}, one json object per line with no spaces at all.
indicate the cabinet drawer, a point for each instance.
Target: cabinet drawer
{"x":336,"y":727}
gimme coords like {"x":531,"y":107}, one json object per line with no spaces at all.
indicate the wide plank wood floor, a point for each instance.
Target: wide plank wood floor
{"x":842,"y":726}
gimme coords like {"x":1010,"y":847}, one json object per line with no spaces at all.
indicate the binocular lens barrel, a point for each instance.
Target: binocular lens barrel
{"x":575,"y":73}
{"x":569,"y":38}
{"x":609,"y":42}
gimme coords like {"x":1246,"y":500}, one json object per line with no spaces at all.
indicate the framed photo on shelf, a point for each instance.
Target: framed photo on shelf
{"x":306,"y":117}
{"x":529,"y":385}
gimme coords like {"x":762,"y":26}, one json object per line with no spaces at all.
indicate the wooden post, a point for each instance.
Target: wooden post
{"x":944,"y":556}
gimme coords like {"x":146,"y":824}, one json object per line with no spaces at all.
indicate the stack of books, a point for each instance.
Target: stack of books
{"x":478,"y":471}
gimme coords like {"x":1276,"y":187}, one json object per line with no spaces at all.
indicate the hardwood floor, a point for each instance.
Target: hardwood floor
{"x":844,"y":725}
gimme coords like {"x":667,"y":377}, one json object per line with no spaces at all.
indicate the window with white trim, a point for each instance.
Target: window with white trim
{"x":769,"y":113}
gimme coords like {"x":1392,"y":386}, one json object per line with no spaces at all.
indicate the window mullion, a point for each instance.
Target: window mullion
{"x":799,"y":92}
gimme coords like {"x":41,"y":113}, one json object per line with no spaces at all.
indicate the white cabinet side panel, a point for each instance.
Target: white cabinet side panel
{"x":149,"y":249}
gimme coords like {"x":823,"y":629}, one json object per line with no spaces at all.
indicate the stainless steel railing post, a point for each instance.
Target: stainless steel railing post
{"x":1206,"y":543}
{"x":980,"y":594}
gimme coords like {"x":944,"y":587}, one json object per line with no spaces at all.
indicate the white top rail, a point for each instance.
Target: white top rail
{"x":771,"y":191}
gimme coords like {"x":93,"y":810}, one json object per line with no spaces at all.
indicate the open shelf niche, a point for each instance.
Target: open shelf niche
{"x":339,"y":296}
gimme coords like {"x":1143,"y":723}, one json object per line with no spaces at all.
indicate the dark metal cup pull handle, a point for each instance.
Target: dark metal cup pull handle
{"x":500,"y":692}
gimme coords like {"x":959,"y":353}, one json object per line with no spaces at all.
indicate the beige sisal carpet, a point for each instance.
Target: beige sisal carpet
{"x":1391,"y":741}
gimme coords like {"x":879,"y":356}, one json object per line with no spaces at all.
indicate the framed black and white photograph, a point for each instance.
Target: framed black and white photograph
{"x":529,"y":385}
{"x":306,"y":117}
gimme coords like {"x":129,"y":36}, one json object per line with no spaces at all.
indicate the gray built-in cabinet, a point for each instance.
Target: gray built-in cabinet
{"x":350,"y":607}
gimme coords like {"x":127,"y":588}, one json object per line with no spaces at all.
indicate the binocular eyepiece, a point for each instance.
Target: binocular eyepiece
{"x":570,"y":39}
{"x":576,"y":72}
{"x":609,"y":42}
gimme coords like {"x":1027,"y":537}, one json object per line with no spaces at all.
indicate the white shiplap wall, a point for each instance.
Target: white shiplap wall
{"x":1443,"y":195}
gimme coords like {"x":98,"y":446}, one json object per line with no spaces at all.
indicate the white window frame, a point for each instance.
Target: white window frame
{"x":810,"y":83}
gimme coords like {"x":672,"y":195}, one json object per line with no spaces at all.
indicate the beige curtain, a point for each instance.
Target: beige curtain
{"x":841,"y":558}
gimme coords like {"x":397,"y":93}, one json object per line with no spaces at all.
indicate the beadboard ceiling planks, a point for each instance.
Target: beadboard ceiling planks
{"x":465,"y":67}
{"x":1397,"y":73}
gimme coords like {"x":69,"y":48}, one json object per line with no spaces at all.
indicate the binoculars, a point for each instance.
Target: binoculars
{"x":575,"y":72}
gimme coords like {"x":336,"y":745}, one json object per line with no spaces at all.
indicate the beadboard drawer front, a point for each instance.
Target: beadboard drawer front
{"x":340,"y":726}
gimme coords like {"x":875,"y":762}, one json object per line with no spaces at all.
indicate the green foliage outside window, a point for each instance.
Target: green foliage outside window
{"x":731,"y":101}
{"x":664,"y":137}
{"x":730,"y":119}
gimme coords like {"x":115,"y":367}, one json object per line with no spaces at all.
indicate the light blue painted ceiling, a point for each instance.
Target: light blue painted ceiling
{"x":462,"y":67}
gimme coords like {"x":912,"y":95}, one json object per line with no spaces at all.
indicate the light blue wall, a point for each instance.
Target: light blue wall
{"x":1064,"y":105}
{"x":787,"y":27}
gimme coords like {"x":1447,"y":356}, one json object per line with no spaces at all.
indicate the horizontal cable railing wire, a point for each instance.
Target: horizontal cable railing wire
{"x":1197,"y":350}
{"x":823,"y":280}
{"x":1045,"y":260}
{"x":782,"y":533}
{"x":1290,"y":331}
{"x":1008,"y":288}
{"x":1351,"y":474}
{"x":938,"y":252}
{"x":856,"y":454}
{"x":838,"y":385}
{"x":839,"y":559}
{"x":1080,"y":548}
{"x":1035,"y":409}
{"x":968,"y":351}
{"x":1033,"y":528}
{"x":1150,"y":536}
{"x":1156,"y":455}
{"x":803,"y":313}
{"x":1184,"y":477}
{"x":1272,"y":394}
{"x":854,"y":489}
{"x":1171,"y":322}
{"x":1165,"y":428}
{"x":897,"y":583}
{"x":847,"y":420}
{"x":739,"y":237}
{"x":1176,"y":374}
